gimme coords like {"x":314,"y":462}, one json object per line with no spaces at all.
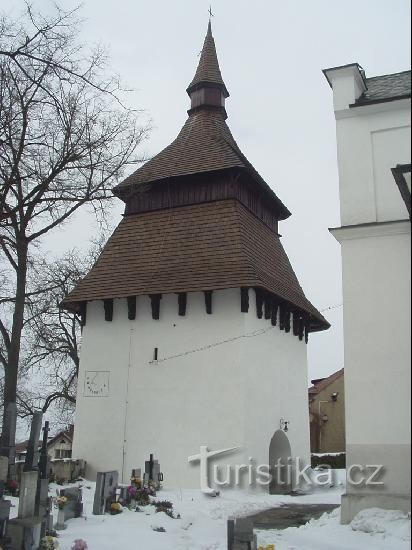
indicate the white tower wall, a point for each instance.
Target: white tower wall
{"x":229,"y":395}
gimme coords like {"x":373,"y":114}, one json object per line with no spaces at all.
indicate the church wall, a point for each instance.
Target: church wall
{"x":231,"y":395}
{"x":381,"y":371}
{"x":371,"y":140}
{"x":276,"y":375}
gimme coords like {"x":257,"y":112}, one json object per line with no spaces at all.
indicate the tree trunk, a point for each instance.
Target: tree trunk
{"x":11,"y":372}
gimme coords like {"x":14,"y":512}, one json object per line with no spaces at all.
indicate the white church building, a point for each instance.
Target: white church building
{"x":194,"y":323}
{"x":373,"y":130}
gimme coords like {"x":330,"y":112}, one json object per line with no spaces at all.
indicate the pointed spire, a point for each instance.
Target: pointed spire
{"x":208,"y":72}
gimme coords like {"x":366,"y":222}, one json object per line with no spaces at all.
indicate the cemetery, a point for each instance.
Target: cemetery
{"x":179,"y":347}
{"x":145,"y":513}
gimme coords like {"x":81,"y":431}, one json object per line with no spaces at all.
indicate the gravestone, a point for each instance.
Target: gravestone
{"x":106,"y":484}
{"x":25,"y":533}
{"x":240,"y":534}
{"x":122,"y":494}
{"x":32,"y":455}
{"x":27,"y":495}
{"x":4,"y":515}
{"x":136,"y":473}
{"x":152,"y":471}
{"x":60,"y":524}
{"x":43,"y":501}
{"x":74,"y":505}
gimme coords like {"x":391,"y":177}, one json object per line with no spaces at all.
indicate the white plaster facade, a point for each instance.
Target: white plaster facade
{"x":230,"y":395}
{"x":375,"y":240}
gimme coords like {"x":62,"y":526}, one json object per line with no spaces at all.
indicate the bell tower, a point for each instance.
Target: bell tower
{"x":195,"y":324}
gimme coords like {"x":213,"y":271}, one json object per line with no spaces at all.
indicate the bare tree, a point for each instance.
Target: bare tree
{"x":52,"y":337}
{"x":64,"y":141}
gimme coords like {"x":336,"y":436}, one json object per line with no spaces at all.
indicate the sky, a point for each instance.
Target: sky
{"x":280,"y":111}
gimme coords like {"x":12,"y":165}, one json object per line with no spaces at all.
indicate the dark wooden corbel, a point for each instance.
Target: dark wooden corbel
{"x":244,"y":299}
{"x":259,"y":303}
{"x":307,"y":327}
{"x":274,"y":313}
{"x":108,"y":309}
{"x":131,"y":308}
{"x":208,"y":301}
{"x":182,"y":303}
{"x":287,"y":320}
{"x":282,"y":316}
{"x":296,"y":320}
{"x":268,"y":306}
{"x":83,"y":313}
{"x":301,"y":328}
{"x":155,"y":303}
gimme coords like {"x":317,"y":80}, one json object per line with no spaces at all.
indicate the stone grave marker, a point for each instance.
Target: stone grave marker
{"x":4,"y":515}
{"x":74,"y":505}
{"x":32,"y":455}
{"x":145,"y":480}
{"x":240,"y":534}
{"x":152,"y":470}
{"x":106,"y":484}
{"x":136,"y":473}
{"x":25,"y":533}
{"x":44,"y":503}
{"x":27,"y":498}
{"x":60,"y":525}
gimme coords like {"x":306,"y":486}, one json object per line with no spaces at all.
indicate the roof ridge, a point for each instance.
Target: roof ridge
{"x":388,"y":74}
{"x":327,"y":381}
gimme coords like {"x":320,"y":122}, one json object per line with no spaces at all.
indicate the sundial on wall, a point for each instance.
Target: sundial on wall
{"x":96,"y":384}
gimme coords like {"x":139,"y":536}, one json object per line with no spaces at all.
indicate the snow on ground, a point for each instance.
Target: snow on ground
{"x":373,"y":528}
{"x":203,"y":523}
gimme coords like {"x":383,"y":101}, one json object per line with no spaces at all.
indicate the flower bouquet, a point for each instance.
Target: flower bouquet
{"x":48,"y":543}
{"x":61,"y":502}
{"x":79,"y":544}
{"x":116,"y":508}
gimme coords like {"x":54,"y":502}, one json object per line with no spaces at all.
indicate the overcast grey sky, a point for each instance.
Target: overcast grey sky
{"x":280,"y":110}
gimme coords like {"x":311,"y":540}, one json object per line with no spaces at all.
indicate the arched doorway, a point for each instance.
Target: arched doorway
{"x":280,"y":454}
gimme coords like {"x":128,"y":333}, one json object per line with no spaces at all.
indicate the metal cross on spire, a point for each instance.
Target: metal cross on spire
{"x":211,"y":14}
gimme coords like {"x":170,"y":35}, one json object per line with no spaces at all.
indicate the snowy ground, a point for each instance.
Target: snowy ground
{"x":203,"y":524}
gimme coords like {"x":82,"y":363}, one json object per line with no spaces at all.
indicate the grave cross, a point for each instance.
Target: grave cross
{"x":31,"y":462}
{"x":43,"y":460}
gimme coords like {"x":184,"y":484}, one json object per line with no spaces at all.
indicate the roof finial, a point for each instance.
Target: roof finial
{"x":211,"y":14}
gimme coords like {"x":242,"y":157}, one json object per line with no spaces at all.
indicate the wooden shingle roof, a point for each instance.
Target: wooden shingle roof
{"x":208,"y":70}
{"x":210,"y":246}
{"x":204,"y":144}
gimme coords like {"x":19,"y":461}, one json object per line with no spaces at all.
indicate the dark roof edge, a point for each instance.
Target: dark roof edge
{"x":365,"y":102}
{"x":318,"y":323}
{"x":368,"y":224}
{"x":359,"y":67}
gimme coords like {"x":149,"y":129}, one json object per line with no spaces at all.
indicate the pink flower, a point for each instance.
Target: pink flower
{"x":79,"y":544}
